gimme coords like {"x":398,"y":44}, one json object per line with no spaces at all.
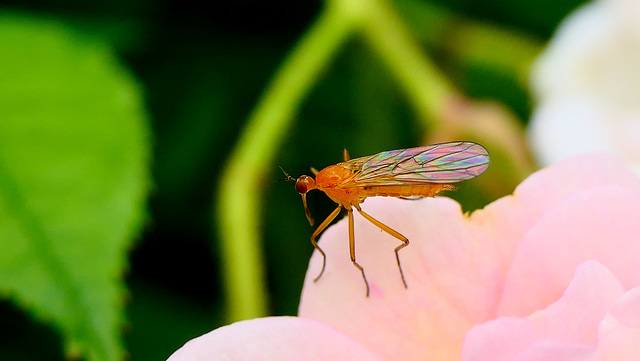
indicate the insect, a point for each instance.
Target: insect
{"x":413,"y":172}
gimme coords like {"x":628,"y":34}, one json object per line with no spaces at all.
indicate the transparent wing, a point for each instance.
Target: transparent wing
{"x":438,"y":163}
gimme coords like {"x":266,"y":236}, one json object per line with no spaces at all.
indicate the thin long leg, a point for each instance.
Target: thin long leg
{"x":352,"y":249}
{"x":391,"y":231}
{"x":317,"y":232}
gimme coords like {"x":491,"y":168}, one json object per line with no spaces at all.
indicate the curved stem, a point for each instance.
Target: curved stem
{"x":427,"y":88}
{"x":238,"y":201}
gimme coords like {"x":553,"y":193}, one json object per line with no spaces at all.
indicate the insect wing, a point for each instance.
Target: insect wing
{"x":438,"y":163}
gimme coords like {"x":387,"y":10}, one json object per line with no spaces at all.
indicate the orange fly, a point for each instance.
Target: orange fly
{"x":414,"y":172}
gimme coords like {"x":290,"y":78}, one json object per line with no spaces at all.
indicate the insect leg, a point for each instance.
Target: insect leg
{"x":352,"y":249}
{"x":317,"y":232}
{"x":345,"y":155}
{"x":391,"y":231}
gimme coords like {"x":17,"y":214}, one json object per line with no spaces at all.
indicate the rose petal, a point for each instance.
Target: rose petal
{"x":620,"y":330}
{"x":273,"y":338}
{"x":586,"y":85}
{"x":449,"y":275}
{"x":594,"y":54}
{"x":585,"y":119}
{"x":590,"y":125}
{"x":455,"y":266}
{"x":509,"y":219}
{"x":558,"y":351}
{"x":599,"y":224}
{"x":572,"y":320}
{"x":627,"y":13}
{"x":560,"y":71}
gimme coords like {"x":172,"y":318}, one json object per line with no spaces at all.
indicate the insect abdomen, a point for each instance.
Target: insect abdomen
{"x":406,"y":191}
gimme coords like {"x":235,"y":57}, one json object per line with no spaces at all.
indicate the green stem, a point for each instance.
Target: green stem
{"x":238,"y":203}
{"x":427,"y":88}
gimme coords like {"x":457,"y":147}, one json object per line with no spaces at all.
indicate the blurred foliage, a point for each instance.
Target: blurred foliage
{"x":73,"y":149}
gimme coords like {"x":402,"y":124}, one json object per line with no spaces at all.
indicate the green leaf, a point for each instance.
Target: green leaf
{"x":74,"y":153}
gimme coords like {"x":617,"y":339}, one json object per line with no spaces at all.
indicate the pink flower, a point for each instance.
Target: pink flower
{"x":549,"y":273}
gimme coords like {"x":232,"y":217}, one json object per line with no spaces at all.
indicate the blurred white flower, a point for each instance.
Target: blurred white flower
{"x":586,"y":85}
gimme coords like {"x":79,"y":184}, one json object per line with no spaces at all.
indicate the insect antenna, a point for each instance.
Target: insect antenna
{"x":304,"y":195}
{"x":288,"y":177}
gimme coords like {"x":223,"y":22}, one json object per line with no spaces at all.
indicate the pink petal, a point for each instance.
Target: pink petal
{"x":567,"y":327}
{"x":620,"y":329}
{"x":598,"y":224}
{"x":273,"y":338}
{"x":558,"y":351}
{"x":510,"y":218}
{"x":449,"y":268}
{"x":455,"y":266}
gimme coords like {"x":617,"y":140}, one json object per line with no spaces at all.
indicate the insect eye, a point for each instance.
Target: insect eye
{"x":304,"y":184}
